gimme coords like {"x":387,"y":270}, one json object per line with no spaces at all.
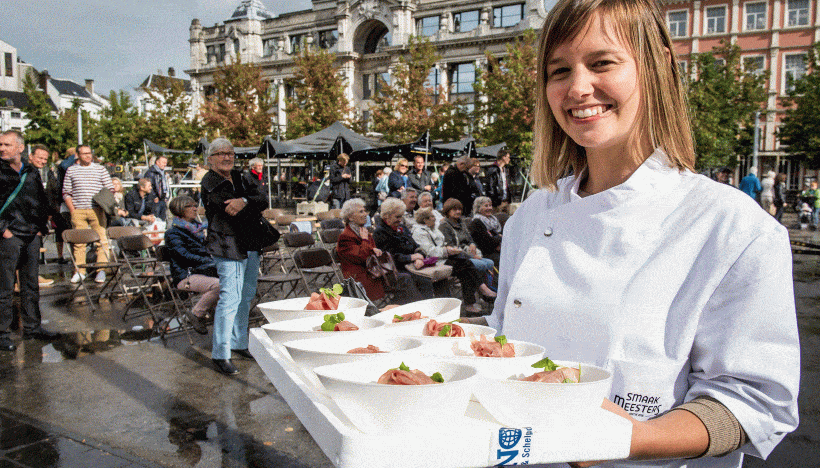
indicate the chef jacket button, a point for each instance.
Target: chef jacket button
{"x":548,"y":232}
{"x":517,"y":303}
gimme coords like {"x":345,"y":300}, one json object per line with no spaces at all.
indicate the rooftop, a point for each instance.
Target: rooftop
{"x":251,"y":9}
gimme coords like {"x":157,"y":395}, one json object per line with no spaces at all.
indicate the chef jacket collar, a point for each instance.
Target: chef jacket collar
{"x":652,"y":175}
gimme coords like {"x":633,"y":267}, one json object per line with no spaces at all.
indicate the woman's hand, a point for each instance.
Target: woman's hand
{"x":377,"y":251}
{"x":473,"y":250}
{"x":453,"y":250}
{"x":416,"y":257}
{"x":7,"y":234}
{"x":364,"y":233}
{"x":418,"y":264}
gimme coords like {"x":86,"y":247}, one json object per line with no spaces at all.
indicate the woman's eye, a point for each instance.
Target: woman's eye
{"x":602,"y":63}
{"x":558,"y":71}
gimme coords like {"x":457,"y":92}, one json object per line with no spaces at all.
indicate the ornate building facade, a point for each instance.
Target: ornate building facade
{"x":367,"y":37}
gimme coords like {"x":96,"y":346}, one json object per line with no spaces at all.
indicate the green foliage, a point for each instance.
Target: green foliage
{"x":44,"y":128}
{"x":800,"y":128}
{"x":68,"y":121}
{"x":723,"y":99}
{"x":239,"y":108}
{"x":509,"y":88}
{"x":116,"y":136}
{"x":169,"y":122}
{"x":405,"y":108}
{"x":319,"y":94}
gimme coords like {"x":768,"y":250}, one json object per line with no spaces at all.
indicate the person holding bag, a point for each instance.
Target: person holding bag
{"x":233,"y":207}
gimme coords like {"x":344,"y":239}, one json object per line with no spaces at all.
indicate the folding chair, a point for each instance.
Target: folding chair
{"x":114,"y":233}
{"x":146,"y":265}
{"x":279,"y":276}
{"x":300,"y":241}
{"x":318,"y":262}
{"x":329,"y":237}
{"x":74,"y":237}
{"x":332,"y":223}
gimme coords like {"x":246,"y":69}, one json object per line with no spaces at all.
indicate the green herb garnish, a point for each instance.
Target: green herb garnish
{"x":501,"y":339}
{"x":404,"y":367}
{"x":335,"y":292}
{"x":331,"y":320}
{"x":445,"y":330}
{"x":547,"y":364}
{"x":398,"y":317}
{"x":437,"y":377}
{"x":568,"y":380}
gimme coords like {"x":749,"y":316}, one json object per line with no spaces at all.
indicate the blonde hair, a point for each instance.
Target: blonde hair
{"x":399,"y":163}
{"x":664,"y":117}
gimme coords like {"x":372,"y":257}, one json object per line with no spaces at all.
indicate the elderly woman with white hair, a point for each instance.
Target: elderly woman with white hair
{"x":256,"y":174}
{"x":426,"y":201}
{"x":354,"y":247}
{"x":485,"y":229}
{"x":232,"y":204}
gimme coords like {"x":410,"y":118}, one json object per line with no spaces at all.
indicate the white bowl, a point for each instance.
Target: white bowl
{"x":324,"y":351}
{"x":442,"y":309}
{"x":311,"y":327}
{"x":515,"y":403}
{"x":289,"y":309}
{"x":416,"y":328}
{"x":375,"y":407}
{"x":459,"y":348}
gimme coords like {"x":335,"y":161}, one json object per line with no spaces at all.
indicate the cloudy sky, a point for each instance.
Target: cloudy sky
{"x":115,"y":42}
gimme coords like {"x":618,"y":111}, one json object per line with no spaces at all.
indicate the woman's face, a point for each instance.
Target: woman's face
{"x":430,"y":222}
{"x":592,"y":88}
{"x":486,"y":209}
{"x":425,"y":202}
{"x":455,"y":214}
{"x":403,"y":167}
{"x":359,"y":217}
{"x":392,"y":219}
{"x":189,"y":212}
{"x":117,"y":185}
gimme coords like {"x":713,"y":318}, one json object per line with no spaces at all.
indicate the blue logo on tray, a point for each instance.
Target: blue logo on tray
{"x":508,"y":438}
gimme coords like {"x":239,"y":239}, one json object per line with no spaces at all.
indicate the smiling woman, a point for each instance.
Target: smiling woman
{"x":679,"y":285}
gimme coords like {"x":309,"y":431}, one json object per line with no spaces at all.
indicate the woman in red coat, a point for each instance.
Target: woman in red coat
{"x":356,"y":245}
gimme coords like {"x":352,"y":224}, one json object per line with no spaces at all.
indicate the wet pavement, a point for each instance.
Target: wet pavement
{"x":109,"y":395}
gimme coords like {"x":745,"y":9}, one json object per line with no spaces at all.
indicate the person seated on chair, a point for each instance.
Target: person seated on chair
{"x":192,"y":267}
{"x":457,"y":233}
{"x":431,"y":242}
{"x":121,"y":219}
{"x":485,"y":229}
{"x":354,"y":247}
{"x":393,"y":236}
{"x":139,"y":204}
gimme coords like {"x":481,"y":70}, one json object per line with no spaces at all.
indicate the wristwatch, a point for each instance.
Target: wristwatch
{"x":245,"y":200}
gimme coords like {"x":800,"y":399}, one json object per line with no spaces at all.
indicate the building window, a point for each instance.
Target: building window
{"x":798,"y":12}
{"x":462,"y":77}
{"x":678,"y":23}
{"x":380,"y":80}
{"x":464,"y":21}
{"x":434,"y":84}
{"x":328,"y":39}
{"x":15,"y":114}
{"x":755,"y":16}
{"x":236,"y":46}
{"x":9,"y":64}
{"x":794,"y":69}
{"x":755,"y":64}
{"x":268,"y":47}
{"x":716,"y":20}
{"x":428,"y":26}
{"x":216,"y":53}
{"x":508,"y":15}
{"x":683,"y":65}
{"x":296,"y":43}
{"x":366,"y":87}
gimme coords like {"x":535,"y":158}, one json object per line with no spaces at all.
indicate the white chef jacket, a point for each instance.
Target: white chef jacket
{"x":679,"y":285}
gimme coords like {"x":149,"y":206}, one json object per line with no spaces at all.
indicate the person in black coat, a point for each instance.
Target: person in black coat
{"x":497,"y":185}
{"x":192,"y":267}
{"x":339,"y":176}
{"x":456,"y":185}
{"x":397,"y":181}
{"x":139,"y":204}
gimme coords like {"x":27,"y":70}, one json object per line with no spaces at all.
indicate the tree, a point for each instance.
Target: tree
{"x":508,"y":107}
{"x":116,"y":136}
{"x":318,"y":94}
{"x":44,"y":127}
{"x":68,"y":120}
{"x":407,"y":106}
{"x":800,"y":128}
{"x":169,"y":120}
{"x":239,"y":108}
{"x":723,"y":98}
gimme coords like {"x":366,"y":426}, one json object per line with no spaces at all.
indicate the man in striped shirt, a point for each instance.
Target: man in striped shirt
{"x":82,"y":181}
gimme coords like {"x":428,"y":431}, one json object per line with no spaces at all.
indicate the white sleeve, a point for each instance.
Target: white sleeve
{"x":508,"y":265}
{"x":746,"y":352}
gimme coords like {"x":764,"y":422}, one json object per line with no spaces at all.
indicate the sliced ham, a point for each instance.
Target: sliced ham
{"x":344,"y":325}
{"x":370,"y":349}
{"x":321,"y":301}
{"x":433,"y":328}
{"x":486,"y":348}
{"x":408,"y":317}
{"x":557,"y":376}
{"x":402,"y":377}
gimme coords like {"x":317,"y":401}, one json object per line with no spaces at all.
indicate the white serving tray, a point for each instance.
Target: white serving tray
{"x":480,"y":441}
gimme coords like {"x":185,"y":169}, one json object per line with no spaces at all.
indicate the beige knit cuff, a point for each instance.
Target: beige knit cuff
{"x":725,"y":433}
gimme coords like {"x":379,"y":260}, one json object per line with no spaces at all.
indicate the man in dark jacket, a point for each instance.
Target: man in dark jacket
{"x":498,"y":179}
{"x":159,"y":186}
{"x":339,"y":176}
{"x":455,"y":184}
{"x":418,"y":177}
{"x":139,"y":203}
{"x":23,"y":222}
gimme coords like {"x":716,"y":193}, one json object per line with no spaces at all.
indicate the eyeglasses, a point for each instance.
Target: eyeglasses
{"x":224,"y":154}
{"x":405,"y":165}
{"x":191,"y":206}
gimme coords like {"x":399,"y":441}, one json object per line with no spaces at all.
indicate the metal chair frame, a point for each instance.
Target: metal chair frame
{"x":74,"y":237}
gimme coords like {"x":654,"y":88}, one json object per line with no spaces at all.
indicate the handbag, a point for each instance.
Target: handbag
{"x":353,"y":288}
{"x":382,"y":267}
{"x":105,"y":200}
{"x":257,"y":235}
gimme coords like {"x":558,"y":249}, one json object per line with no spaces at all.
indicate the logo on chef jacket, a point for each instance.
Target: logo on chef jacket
{"x":638,"y":405}
{"x":513,"y":447}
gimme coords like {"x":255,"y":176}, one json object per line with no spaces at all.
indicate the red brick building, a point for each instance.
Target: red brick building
{"x":774,"y":37}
